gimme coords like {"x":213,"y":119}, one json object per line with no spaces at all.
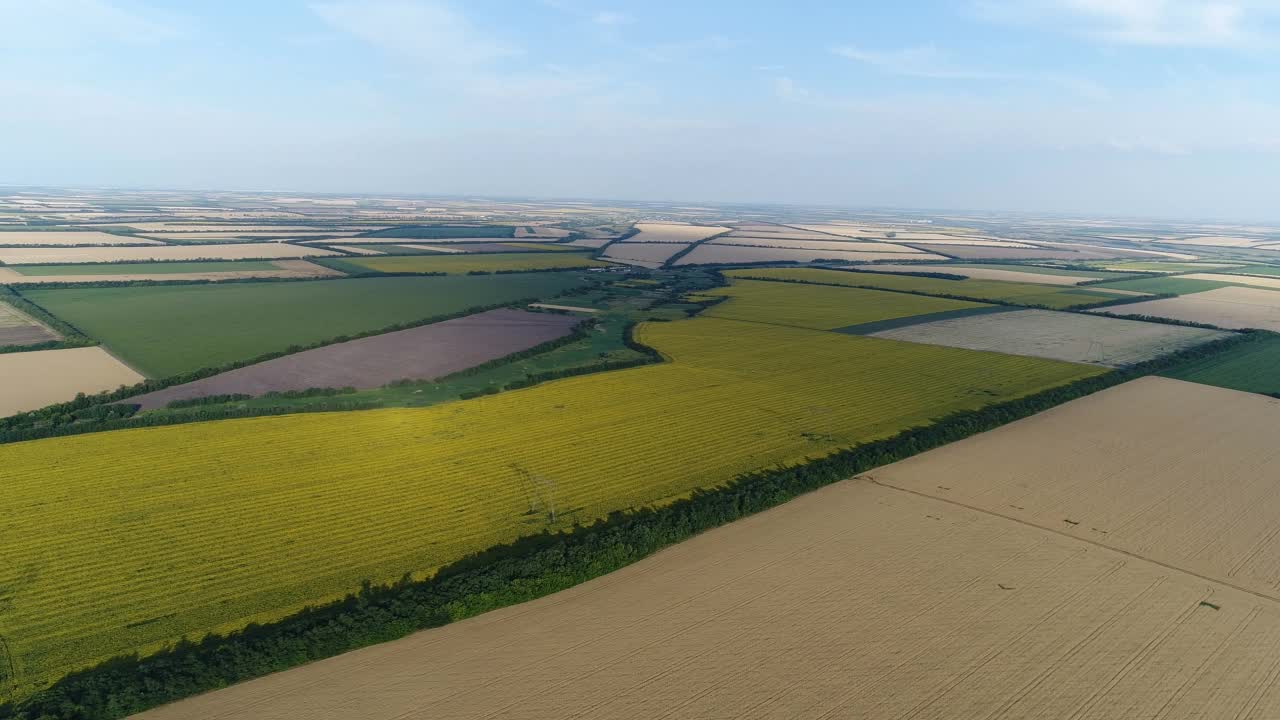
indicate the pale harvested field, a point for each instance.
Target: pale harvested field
{"x":784,"y":233}
{"x":295,"y":269}
{"x":840,"y":245}
{"x":538,"y":231}
{"x":855,"y":601}
{"x":207,"y":228}
{"x":1254,"y":280}
{"x":1217,"y":241}
{"x":436,"y":248}
{"x":1176,"y":472}
{"x":671,"y":233}
{"x":852,"y":229}
{"x":1085,"y":247}
{"x":990,"y":274}
{"x":31,"y":380}
{"x":715,"y":254}
{"x":645,"y":254}
{"x":240,"y":251}
{"x":357,"y":250}
{"x":591,"y":242}
{"x":1228,"y":307}
{"x":975,"y":242}
{"x":1073,"y":337}
{"x":384,"y":240}
{"x":56,"y":237}
{"x":210,"y":236}
{"x":1080,"y":253}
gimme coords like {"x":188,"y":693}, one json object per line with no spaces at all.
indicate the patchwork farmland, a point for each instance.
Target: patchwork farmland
{"x":487,"y":472}
{"x":714,"y":254}
{"x":1009,"y":292}
{"x":242,"y":251}
{"x":461,"y":264}
{"x":420,"y":353}
{"x":340,"y":461}
{"x":168,"y":330}
{"x":857,"y":600}
{"x":164,"y":271}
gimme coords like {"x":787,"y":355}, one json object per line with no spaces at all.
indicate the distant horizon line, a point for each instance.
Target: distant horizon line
{"x":713,"y":204}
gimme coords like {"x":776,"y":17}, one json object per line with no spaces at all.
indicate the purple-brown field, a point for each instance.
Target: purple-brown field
{"x":420,"y":353}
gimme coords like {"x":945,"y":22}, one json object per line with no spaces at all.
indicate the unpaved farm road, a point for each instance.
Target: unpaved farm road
{"x":859,"y":600}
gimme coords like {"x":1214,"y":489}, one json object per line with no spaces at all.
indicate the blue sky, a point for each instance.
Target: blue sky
{"x":1129,"y":107}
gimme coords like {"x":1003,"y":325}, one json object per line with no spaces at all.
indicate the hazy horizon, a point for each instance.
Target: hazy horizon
{"x":1139,"y":109}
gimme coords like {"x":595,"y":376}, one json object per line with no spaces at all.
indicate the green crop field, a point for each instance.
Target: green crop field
{"x":821,"y":307}
{"x":1164,"y":285}
{"x":1156,"y":266}
{"x":1252,"y":367}
{"x":167,"y":330}
{"x":465,"y":263}
{"x":1265,"y":270}
{"x":146,"y":268}
{"x":205,"y":526}
{"x":549,"y":247}
{"x":438,"y":232}
{"x":1055,"y":297}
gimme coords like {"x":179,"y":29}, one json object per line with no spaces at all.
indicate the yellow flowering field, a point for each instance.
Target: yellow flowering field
{"x":123,"y":541}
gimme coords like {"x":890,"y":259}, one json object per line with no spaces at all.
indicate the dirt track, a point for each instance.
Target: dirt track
{"x":863,"y":600}
{"x":421,"y":353}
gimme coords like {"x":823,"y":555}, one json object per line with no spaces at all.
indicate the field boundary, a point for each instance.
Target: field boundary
{"x":22,"y":427}
{"x":876,"y":326}
{"x":508,"y":574}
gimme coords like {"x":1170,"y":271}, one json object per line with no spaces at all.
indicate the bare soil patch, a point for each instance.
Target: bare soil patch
{"x":69,"y":238}
{"x":650,"y":255}
{"x":1254,"y":280}
{"x":32,"y":380}
{"x":421,"y":353}
{"x":1073,"y":337}
{"x":1228,"y":307}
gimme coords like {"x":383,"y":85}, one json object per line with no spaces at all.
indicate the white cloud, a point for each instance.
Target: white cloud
{"x":924,"y":61}
{"x":453,"y":53}
{"x":1240,"y":24}
{"x":429,"y":32}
